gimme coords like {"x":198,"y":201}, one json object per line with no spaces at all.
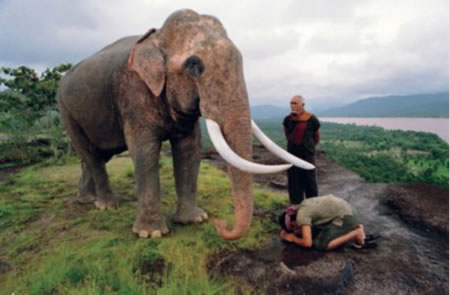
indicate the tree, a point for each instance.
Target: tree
{"x":28,"y":112}
{"x":37,"y":93}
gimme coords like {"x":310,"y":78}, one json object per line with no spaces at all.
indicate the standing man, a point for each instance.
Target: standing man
{"x":302,"y":134}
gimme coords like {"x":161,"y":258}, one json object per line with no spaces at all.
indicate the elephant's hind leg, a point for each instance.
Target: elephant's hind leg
{"x":94,"y":179}
{"x":86,"y":187}
{"x":104,"y":197}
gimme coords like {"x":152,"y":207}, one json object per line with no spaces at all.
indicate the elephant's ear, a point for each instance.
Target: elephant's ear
{"x":147,"y":60}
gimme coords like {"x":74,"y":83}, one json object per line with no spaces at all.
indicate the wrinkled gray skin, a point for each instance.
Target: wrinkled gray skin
{"x":142,"y":90}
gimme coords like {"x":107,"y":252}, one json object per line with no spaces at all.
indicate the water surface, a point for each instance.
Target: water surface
{"x":432,"y":125}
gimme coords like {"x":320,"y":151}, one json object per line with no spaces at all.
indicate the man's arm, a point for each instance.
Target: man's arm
{"x":317,"y":136}
{"x":356,"y":234}
{"x":305,"y":240}
{"x":316,"y":126}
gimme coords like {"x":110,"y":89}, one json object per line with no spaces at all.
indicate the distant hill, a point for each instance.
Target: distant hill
{"x":269,"y":112}
{"x":421,"y":105}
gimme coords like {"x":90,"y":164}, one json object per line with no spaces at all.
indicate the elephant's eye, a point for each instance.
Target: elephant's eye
{"x":194,"y":66}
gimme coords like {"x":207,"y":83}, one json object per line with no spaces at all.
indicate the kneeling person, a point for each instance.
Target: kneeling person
{"x":332,"y":217}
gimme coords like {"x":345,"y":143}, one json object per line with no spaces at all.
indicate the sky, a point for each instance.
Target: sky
{"x":332,"y":52}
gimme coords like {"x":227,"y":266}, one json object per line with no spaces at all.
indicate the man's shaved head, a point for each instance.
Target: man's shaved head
{"x":298,"y":99}
{"x":297,"y":103}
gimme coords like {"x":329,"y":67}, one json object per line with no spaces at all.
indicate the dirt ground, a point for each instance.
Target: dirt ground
{"x":412,"y":255}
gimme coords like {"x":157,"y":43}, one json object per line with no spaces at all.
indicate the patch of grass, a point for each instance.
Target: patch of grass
{"x":55,"y":246}
{"x":102,"y":262}
{"x":269,"y":201}
{"x":16,"y":214}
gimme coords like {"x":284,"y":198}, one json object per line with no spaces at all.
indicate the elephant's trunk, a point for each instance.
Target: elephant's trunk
{"x":237,"y":133}
{"x":231,"y":116}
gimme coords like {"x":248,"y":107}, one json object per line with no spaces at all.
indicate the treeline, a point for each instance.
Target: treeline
{"x":30,"y":126}
{"x":380,"y":155}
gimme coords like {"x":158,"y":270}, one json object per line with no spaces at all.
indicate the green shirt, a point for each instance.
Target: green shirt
{"x":321,"y":210}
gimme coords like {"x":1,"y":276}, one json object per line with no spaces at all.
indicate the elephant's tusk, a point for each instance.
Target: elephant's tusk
{"x":233,"y":159}
{"x":278,"y":151}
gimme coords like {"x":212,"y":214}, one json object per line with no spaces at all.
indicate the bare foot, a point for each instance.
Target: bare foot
{"x":361,"y":236}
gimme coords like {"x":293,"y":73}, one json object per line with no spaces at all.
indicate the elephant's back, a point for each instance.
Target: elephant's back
{"x":98,"y":67}
{"x":86,"y":92}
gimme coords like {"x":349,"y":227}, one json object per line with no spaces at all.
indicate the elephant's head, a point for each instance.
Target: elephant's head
{"x":201,"y":72}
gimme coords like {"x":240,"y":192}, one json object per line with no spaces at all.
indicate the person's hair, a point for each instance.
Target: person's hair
{"x":282,"y":221}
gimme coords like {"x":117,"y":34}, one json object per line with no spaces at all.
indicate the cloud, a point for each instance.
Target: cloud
{"x":331,"y":52}
{"x":44,"y":32}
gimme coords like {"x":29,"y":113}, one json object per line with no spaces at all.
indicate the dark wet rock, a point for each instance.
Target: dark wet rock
{"x":410,"y":258}
{"x":324,"y":276}
{"x":423,"y":204}
{"x":320,"y":275}
{"x":292,"y":255}
{"x":278,"y":184}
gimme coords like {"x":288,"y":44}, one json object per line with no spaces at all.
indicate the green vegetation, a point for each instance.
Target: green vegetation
{"x":380,"y":155}
{"x":30,"y":125}
{"x":388,"y":156}
{"x":54,"y":246}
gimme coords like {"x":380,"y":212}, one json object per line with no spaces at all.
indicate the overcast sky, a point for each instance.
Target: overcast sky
{"x":330,"y":51}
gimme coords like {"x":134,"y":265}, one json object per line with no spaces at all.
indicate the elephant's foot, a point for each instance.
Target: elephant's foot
{"x":106,"y":203}
{"x":85,"y":198}
{"x":192,"y":214}
{"x":150,"y":229}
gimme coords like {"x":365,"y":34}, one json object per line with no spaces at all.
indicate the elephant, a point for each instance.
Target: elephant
{"x":143,"y":90}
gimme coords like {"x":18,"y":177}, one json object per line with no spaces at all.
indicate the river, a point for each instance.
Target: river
{"x":433,"y":125}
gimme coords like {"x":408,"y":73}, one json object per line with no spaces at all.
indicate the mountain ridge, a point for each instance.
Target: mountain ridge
{"x":433,"y":105}
{"x":410,"y":106}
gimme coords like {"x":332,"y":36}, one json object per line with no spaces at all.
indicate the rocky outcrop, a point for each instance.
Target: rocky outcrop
{"x":411,"y":258}
{"x":420,"y":204}
{"x":317,"y":274}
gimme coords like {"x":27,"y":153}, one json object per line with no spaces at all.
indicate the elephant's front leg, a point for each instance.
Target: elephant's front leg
{"x":186,"y":153}
{"x":150,"y":222}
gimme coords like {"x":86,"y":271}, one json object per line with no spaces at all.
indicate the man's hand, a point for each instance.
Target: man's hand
{"x":287,"y":236}
{"x":305,"y":240}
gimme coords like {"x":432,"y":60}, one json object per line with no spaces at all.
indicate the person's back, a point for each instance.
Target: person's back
{"x":321,"y":210}
{"x":332,"y":220}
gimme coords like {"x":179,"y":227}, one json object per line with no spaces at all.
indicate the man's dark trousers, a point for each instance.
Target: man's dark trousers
{"x":302,"y":183}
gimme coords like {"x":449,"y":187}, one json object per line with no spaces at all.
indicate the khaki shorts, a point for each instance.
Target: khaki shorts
{"x":334,"y":229}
